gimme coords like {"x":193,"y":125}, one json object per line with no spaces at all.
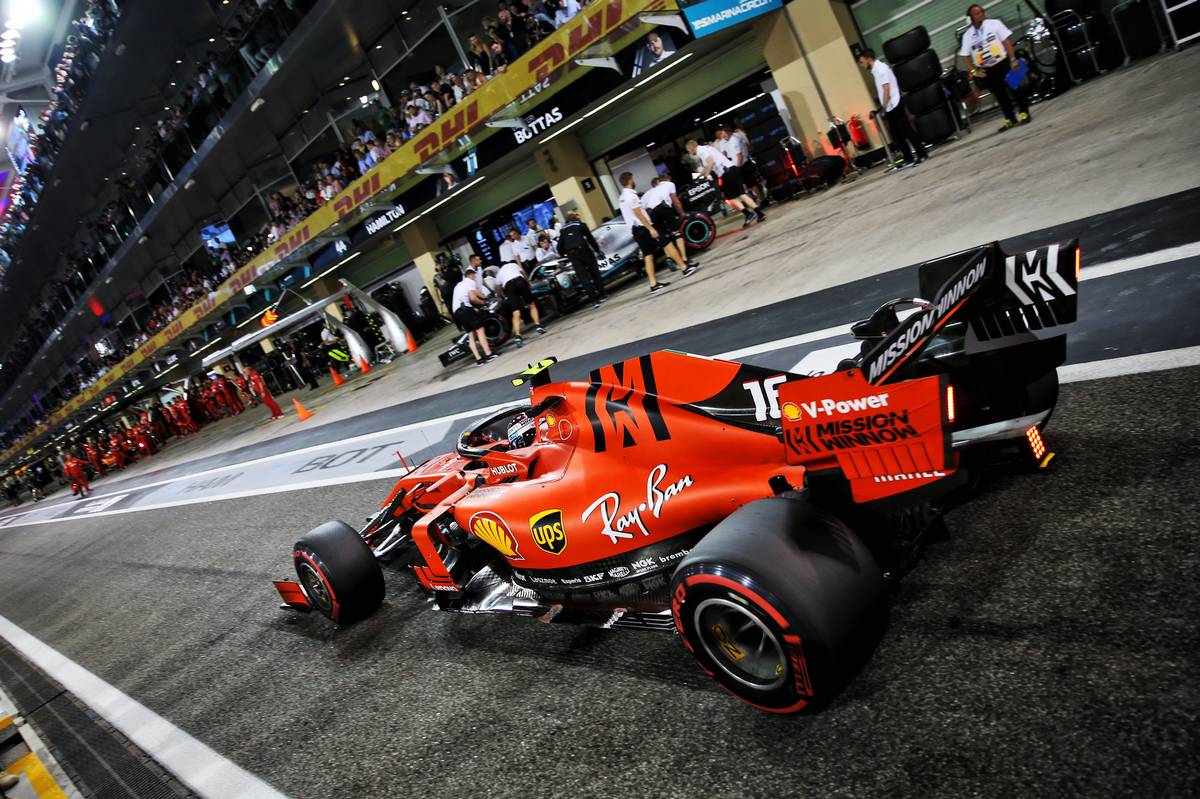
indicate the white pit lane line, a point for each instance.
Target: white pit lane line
{"x":193,"y":763}
{"x":818,"y":360}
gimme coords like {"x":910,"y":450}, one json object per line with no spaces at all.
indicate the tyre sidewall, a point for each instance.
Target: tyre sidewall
{"x":806,"y":664}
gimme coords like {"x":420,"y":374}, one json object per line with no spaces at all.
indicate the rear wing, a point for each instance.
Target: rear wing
{"x":885,"y":440}
{"x":1001,"y":295}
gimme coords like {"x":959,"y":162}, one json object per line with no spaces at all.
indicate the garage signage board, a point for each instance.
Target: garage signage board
{"x":711,"y":16}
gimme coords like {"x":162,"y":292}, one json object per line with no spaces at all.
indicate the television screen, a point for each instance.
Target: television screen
{"x":217,"y":236}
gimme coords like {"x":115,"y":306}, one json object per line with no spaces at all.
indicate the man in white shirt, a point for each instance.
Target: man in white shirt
{"x":666,"y":212}
{"x":463,"y":306}
{"x":545,"y":250}
{"x":714,"y":162}
{"x":565,"y":10}
{"x":514,"y":284}
{"x":988,"y":54}
{"x":893,"y":110}
{"x":737,"y":149}
{"x":640,"y":223}
{"x":532,"y":233}
{"x":517,"y":249}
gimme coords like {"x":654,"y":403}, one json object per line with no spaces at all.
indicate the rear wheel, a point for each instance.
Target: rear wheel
{"x":338,"y":572}
{"x":780,"y":604}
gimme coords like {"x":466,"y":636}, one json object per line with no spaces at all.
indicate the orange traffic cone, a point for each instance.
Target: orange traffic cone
{"x":412,"y":342}
{"x":337,"y":378}
{"x":301,"y":412}
{"x":363,"y":366}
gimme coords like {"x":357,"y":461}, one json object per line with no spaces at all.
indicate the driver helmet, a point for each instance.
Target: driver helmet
{"x":520,"y":431}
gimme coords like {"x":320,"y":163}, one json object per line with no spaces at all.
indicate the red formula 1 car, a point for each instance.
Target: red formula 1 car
{"x":759,"y":514}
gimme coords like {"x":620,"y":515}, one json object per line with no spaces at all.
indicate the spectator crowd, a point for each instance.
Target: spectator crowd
{"x":255,"y":31}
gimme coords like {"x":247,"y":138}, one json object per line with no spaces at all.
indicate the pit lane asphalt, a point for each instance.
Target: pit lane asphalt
{"x":1046,"y":648}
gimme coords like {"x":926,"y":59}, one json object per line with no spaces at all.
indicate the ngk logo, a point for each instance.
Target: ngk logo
{"x":831,"y":407}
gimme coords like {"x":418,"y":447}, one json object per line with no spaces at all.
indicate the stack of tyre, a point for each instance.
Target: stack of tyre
{"x":919,"y":73}
{"x":1086,"y":35}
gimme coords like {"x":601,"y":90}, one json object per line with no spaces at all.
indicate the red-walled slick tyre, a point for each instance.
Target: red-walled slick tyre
{"x":698,"y":231}
{"x":338,"y":572}
{"x":780,"y":604}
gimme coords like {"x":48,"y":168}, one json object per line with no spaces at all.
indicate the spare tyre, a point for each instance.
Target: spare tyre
{"x":780,"y":603}
{"x":935,"y":125}
{"x":920,"y":70}
{"x":925,"y":99}
{"x":906,"y":45}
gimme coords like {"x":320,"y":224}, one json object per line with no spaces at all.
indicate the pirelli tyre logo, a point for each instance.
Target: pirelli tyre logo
{"x":917,"y":328}
{"x":548,"y":532}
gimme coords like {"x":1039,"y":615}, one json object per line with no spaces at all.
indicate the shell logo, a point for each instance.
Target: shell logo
{"x":791,"y":411}
{"x":491,"y":529}
{"x":269,"y":318}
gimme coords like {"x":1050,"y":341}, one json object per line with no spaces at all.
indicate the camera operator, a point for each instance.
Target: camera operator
{"x":467,"y":297}
{"x":666,"y":211}
{"x":714,"y":161}
{"x":518,"y":295}
{"x":579,"y":245}
{"x":644,"y":233}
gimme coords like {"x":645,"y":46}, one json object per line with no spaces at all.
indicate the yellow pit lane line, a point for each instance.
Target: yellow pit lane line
{"x":35,"y":776}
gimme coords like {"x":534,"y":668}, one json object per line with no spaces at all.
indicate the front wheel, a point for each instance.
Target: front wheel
{"x":780,"y":604}
{"x":338,"y":572}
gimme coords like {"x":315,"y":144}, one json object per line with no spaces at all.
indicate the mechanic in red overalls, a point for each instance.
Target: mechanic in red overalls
{"x":75,"y":470}
{"x":93,"y":456}
{"x":212,"y":404}
{"x":116,"y":453}
{"x":243,"y":388}
{"x":229,"y":393}
{"x":260,"y":388}
{"x":142,"y":440}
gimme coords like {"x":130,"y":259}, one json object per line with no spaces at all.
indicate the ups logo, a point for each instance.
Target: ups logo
{"x":548,"y":533}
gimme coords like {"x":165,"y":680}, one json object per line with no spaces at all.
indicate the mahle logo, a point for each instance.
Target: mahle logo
{"x":547,"y":530}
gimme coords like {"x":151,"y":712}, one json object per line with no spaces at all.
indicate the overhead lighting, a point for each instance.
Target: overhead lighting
{"x":663,"y":70}
{"x":10,"y":34}
{"x":178,"y":60}
{"x":563,"y":129}
{"x":379,"y":47}
{"x":258,"y":103}
{"x":206,"y":346}
{"x":190,"y":182}
{"x":338,"y":265}
{"x":15,"y":22}
{"x":364,"y":99}
{"x":252,"y":318}
{"x":449,"y":197}
{"x":8,"y":57}
{"x":172,"y":83}
{"x":736,"y":107}
{"x":374,"y":85}
{"x":211,"y":39}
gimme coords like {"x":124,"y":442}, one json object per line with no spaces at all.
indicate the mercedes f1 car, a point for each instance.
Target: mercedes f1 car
{"x":758,"y":514}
